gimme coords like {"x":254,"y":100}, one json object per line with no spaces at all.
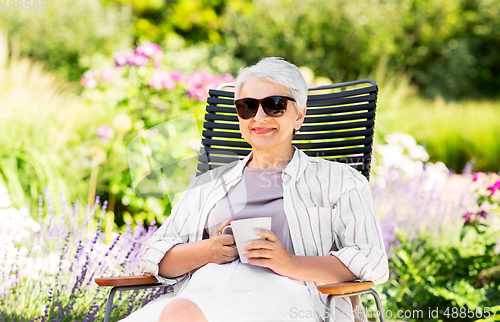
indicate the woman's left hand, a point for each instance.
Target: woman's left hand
{"x":268,"y":253}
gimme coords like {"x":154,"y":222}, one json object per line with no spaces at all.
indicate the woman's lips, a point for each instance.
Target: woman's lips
{"x":262,"y":130}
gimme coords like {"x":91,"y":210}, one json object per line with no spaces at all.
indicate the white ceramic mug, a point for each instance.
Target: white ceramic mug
{"x":243,"y":231}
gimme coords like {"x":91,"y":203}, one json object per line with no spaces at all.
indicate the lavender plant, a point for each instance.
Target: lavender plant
{"x":49,"y":274}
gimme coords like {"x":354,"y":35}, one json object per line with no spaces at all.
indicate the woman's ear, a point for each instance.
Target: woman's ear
{"x":300,"y":117}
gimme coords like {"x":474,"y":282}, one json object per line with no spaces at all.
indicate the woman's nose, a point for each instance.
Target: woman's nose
{"x":260,"y":115}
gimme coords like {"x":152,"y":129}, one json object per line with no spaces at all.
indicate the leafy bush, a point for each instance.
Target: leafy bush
{"x":451,"y":45}
{"x":71,"y":37}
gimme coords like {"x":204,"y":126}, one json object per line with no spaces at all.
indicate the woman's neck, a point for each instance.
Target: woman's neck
{"x":271,"y":159}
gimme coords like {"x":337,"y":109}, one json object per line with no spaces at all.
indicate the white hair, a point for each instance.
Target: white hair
{"x":279,"y":71}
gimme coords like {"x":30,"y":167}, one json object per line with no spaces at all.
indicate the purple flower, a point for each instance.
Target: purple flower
{"x":147,"y":49}
{"x":483,"y":214}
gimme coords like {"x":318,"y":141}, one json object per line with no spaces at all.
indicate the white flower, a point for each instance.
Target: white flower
{"x":4,"y":197}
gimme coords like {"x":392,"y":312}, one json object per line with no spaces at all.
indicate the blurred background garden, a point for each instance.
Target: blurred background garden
{"x":81,"y":79}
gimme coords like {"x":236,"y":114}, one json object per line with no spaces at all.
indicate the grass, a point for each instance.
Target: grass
{"x":454,"y":133}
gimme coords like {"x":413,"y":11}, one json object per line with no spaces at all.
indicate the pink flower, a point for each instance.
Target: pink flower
{"x":105,"y":133}
{"x":107,"y":74}
{"x":477,"y":175}
{"x":494,"y":187}
{"x":163,"y":80}
{"x":147,"y":49}
{"x":228,"y":78}
{"x":140,"y":60}
{"x":198,"y":92}
{"x":168,"y":82}
{"x":469,"y":217}
{"x":88,"y":79}
{"x":177,"y":76}
{"x":121,"y":59}
{"x":155,"y":80}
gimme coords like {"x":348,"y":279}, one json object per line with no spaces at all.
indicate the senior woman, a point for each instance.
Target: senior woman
{"x":324,"y":226}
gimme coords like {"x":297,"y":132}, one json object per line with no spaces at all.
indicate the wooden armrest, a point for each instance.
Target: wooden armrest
{"x":344,"y":288}
{"x":126,"y":280}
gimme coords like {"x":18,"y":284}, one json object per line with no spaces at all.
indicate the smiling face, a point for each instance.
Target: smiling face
{"x":265,"y":133}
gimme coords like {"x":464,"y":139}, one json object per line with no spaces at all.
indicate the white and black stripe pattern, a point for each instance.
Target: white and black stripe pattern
{"x":329,"y":208}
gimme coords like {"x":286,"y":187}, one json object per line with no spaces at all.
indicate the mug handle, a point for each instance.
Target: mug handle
{"x":224,"y":232}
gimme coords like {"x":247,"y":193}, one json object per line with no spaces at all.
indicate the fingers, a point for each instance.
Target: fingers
{"x":224,"y":224}
{"x":226,"y":240}
{"x":257,"y":253}
{"x":267,"y":234}
{"x":259,"y":244}
{"x":230,"y":252}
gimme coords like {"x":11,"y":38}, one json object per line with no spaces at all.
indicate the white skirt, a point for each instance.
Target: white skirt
{"x":237,"y":292}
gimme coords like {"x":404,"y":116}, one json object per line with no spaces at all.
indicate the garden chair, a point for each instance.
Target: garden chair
{"x":338,"y":126}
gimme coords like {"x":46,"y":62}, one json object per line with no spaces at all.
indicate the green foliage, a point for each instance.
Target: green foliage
{"x":72,"y":36}
{"x":426,"y":275}
{"x":39,"y":118}
{"x":453,"y":133}
{"x":451,"y":45}
{"x":194,"y":20}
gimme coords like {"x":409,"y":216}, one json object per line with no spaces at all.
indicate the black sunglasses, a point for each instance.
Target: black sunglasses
{"x":274,"y":106}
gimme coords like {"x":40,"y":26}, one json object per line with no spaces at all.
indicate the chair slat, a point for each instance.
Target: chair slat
{"x":215,"y":92}
{"x":232,"y":135}
{"x":340,"y":118}
{"x":333,"y":135}
{"x":340,"y":109}
{"x":343,"y":101}
{"x":354,"y":92}
{"x":339,"y":126}
{"x":225,"y":126}
{"x":233,"y":144}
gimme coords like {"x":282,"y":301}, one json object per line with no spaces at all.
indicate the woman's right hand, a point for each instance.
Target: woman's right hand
{"x":221,"y":250}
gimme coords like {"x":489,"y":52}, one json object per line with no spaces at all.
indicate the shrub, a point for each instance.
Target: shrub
{"x":71,"y":37}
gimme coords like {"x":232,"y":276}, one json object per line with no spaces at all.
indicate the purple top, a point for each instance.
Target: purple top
{"x":258,"y":194}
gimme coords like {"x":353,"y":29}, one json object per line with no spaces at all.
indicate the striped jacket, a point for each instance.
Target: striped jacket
{"x":329,"y":208}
